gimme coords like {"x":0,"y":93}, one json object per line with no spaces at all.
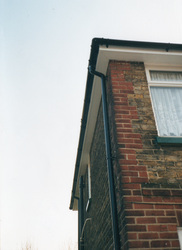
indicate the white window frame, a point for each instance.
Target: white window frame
{"x":179,"y":230}
{"x":152,"y":83}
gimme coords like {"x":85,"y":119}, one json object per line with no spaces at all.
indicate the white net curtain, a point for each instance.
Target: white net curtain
{"x":167,"y":103}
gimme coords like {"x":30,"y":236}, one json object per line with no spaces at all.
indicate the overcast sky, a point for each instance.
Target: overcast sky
{"x":44,"y":52}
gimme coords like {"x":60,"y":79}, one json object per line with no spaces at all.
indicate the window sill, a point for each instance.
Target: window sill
{"x":169,"y":140}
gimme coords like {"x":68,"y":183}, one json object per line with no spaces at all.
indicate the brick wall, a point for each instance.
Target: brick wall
{"x":98,"y":231}
{"x":148,"y":177}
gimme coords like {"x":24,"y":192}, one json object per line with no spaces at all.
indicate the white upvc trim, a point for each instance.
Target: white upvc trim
{"x":89,"y":178}
{"x":173,"y":68}
{"x":179,"y":230}
{"x":89,"y":184}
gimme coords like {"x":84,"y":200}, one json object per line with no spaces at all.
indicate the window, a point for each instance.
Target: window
{"x":166,"y":94}
{"x":180,"y":236}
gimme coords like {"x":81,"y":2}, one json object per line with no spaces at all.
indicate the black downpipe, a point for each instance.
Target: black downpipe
{"x":80,"y":214}
{"x":109,"y":161}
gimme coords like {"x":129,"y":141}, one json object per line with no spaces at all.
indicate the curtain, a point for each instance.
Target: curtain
{"x":167,"y":103}
{"x":166,"y":76}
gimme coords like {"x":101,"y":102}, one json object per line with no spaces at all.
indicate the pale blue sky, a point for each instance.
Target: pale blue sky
{"x":44,"y":52}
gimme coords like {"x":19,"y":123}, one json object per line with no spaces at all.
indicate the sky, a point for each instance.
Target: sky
{"x":44,"y":53}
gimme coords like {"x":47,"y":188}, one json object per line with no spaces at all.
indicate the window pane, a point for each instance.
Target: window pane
{"x":180,"y":236}
{"x":167,"y":76}
{"x":167,"y":103}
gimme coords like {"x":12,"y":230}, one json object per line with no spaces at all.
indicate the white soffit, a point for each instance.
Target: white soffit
{"x":148,"y":56}
{"x":90,"y":127}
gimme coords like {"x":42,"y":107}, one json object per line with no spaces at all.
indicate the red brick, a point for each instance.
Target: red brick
{"x":123,"y":112}
{"x":170,"y":213}
{"x":143,"y":206}
{"x":133,"y":112}
{"x":154,"y":213}
{"x":172,"y":227}
{"x":127,"y":151}
{"x":139,"y":146}
{"x":128,"y":206}
{"x":146,"y":220}
{"x":137,"y":168}
{"x":136,"y":228}
{"x":132,"y":135}
{"x":126,"y":173}
{"x":152,"y":199}
{"x":131,"y":186}
{"x":179,"y":206}
{"x":131,"y":157}
{"x":124,"y":168}
{"x":122,"y":140}
{"x":126,"y":192}
{"x":129,"y":162}
{"x":172,"y":199}
{"x":133,"y":198}
{"x":128,"y":91}
{"x":147,"y":192}
{"x":122,"y":107}
{"x":134,"y":213}
{"x":143,"y":174}
{"x":161,"y":192}
{"x":126,"y":180}
{"x":136,"y":192}
{"x":130,"y":220}
{"x":132,"y":236}
{"x":139,"y":180}
{"x":157,"y":228}
{"x":167,"y":220}
{"x":176,"y":193}
{"x":175,"y":243}
{"x":148,"y":236}
{"x":138,"y":244}
{"x":138,"y":141}
{"x":165,"y":206}
{"x":118,"y":94}
{"x":125,"y":121}
{"x":160,"y":243}
{"x":168,"y":236}
{"x":126,"y":116}
{"x":123,"y":130}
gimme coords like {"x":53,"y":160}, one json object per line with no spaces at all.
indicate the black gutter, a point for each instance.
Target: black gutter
{"x":113,"y":203}
{"x":96,"y":43}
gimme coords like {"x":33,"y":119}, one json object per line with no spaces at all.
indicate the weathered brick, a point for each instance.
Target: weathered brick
{"x":136,"y":228}
{"x":139,"y":244}
{"x":167,"y":220}
{"x":160,"y":243}
{"x":146,"y":220}
{"x":134,"y":213}
{"x":154,"y":213}
{"x":132,"y":236}
{"x":168,"y":235}
{"x":148,"y":236}
{"x":157,"y":228}
{"x":143,"y":206}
